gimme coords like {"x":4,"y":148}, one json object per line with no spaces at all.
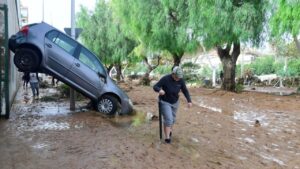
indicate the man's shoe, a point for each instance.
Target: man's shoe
{"x":168,"y":140}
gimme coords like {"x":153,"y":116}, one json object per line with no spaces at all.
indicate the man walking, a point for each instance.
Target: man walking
{"x":168,"y":88}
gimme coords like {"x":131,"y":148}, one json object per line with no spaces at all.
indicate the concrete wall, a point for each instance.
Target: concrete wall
{"x":13,"y":27}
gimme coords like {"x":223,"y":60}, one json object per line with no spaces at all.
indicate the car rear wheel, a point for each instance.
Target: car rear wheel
{"x":108,"y":105}
{"x":26,"y":60}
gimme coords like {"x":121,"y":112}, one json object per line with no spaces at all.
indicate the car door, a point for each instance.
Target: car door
{"x":88,"y":73}
{"x":59,"y":51}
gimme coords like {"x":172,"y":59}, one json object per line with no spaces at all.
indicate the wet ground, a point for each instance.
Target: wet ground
{"x":222,"y":130}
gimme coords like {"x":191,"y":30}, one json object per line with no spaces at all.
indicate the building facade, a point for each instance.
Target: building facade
{"x":9,"y":25}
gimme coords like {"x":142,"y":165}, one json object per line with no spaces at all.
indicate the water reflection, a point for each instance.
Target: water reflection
{"x":52,"y":126}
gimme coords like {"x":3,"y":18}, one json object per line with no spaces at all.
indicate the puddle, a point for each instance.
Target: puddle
{"x":274,"y":121}
{"x":52,"y":126}
{"x":215,"y":109}
{"x":53,"y":111}
{"x":40,"y":146}
{"x":271,"y":158}
{"x":250,"y":118}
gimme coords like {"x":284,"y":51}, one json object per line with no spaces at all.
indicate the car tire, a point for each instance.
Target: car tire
{"x":26,"y":60}
{"x":108,"y":105}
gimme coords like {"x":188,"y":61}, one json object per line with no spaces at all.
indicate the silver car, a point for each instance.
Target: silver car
{"x":42,"y":48}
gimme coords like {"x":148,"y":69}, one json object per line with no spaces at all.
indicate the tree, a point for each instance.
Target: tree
{"x":286,"y":20}
{"x":225,"y":24}
{"x":146,"y":56}
{"x":103,"y":35}
{"x":161,"y":25}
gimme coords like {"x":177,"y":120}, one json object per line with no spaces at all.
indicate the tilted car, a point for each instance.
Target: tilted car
{"x":42,"y":48}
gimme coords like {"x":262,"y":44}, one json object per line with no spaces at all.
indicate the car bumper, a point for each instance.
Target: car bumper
{"x":15,"y":40}
{"x":127,"y":107}
{"x":12,"y":43}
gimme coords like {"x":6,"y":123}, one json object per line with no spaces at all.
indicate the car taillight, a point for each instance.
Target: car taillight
{"x":25,"y":30}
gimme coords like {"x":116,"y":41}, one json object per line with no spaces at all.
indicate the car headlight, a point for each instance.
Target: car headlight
{"x":130,"y":102}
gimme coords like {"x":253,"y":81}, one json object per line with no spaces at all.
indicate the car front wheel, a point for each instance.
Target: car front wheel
{"x":26,"y":60}
{"x":108,"y":105}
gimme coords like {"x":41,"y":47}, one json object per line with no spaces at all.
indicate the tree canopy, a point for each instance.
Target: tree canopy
{"x":103,"y":35}
{"x":159,"y":24}
{"x":286,"y":20}
{"x":219,"y":22}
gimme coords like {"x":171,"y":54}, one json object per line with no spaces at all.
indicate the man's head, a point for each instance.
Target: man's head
{"x":177,"y":73}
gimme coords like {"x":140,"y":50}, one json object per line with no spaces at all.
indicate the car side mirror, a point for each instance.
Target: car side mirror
{"x":102,"y":77}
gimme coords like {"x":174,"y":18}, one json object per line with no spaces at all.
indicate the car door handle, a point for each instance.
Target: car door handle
{"x":77,"y":64}
{"x":49,"y":45}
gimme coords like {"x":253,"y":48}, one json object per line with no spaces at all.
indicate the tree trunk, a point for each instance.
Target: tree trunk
{"x":229,"y":64}
{"x":297,"y":43}
{"x":177,"y":59}
{"x":119,"y":72}
{"x":146,"y":78}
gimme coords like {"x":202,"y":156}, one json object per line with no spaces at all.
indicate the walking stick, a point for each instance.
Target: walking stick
{"x":160,"y":120}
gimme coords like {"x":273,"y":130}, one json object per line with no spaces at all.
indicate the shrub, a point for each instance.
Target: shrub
{"x":64,"y":90}
{"x":239,"y":88}
{"x":263,"y":65}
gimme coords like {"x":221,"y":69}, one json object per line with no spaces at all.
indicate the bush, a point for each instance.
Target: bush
{"x":64,"y":90}
{"x":239,"y":88}
{"x":163,"y":69}
{"x":263,"y":65}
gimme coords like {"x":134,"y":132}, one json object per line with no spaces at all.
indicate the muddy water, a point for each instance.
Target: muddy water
{"x":219,"y":131}
{"x":271,"y":135}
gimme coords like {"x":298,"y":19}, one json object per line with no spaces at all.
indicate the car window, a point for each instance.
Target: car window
{"x":52,"y":35}
{"x":63,"y":41}
{"x":91,"y":61}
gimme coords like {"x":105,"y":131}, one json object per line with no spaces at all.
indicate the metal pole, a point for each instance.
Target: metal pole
{"x":160,"y":119}
{"x":72,"y":92}
{"x":6,"y":82}
{"x":43,"y":8}
{"x":1,"y":79}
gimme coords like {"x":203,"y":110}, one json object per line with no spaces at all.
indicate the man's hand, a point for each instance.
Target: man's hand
{"x":190,"y":104}
{"x":161,"y":92}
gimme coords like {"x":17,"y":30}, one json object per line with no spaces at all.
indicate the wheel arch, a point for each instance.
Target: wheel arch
{"x":33,"y":47}
{"x":111,"y":94}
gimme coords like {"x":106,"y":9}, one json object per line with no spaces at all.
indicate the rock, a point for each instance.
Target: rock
{"x":257,"y":123}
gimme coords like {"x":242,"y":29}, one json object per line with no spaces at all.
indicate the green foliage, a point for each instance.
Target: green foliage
{"x":159,"y":25}
{"x":284,"y":48}
{"x":64,"y":90}
{"x":205,"y":72}
{"x":163,"y":69}
{"x":239,"y":88}
{"x":294,"y":67}
{"x":134,"y":69}
{"x":263,"y":65}
{"x":218,"y":22}
{"x":191,"y":75}
{"x":286,"y":18}
{"x":103,"y":35}
{"x":268,"y":65}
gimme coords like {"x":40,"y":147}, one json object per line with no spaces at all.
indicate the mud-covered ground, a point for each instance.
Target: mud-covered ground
{"x":219,"y":131}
